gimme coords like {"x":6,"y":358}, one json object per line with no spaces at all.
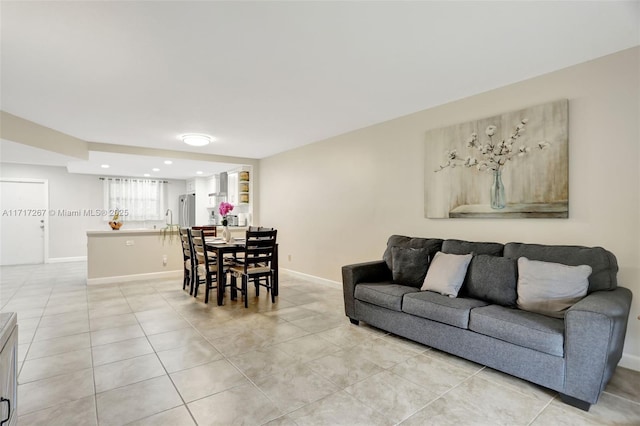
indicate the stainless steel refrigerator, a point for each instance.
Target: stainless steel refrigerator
{"x":187,"y":210}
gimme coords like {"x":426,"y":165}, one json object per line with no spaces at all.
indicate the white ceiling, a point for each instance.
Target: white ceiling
{"x":265,"y":77}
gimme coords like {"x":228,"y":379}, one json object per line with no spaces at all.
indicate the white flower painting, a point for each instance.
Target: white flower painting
{"x":513,"y":165}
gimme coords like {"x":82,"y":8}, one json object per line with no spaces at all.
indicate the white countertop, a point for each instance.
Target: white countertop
{"x":123,"y":230}
{"x":140,"y":231}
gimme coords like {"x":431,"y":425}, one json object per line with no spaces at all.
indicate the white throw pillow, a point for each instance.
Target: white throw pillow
{"x":550,"y":288}
{"x":446,"y":273}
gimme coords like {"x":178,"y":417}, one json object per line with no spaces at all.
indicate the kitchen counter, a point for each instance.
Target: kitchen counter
{"x":143,"y":231}
{"x":123,"y":230}
{"x":132,"y":254}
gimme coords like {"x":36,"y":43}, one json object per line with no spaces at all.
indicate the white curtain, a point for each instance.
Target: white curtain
{"x":137,"y":199}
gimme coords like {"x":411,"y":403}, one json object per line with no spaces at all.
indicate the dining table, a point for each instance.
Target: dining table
{"x":233,"y":247}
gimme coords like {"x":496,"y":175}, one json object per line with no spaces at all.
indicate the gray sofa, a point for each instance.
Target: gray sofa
{"x":574,"y":355}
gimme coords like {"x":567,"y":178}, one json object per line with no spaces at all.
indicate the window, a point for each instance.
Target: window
{"x":137,"y":199}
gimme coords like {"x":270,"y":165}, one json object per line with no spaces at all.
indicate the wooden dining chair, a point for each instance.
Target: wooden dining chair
{"x":258,"y":262}
{"x":188,"y":260}
{"x":208,"y":230}
{"x":207,"y":267}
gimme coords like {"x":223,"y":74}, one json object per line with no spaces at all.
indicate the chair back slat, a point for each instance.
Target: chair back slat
{"x":207,"y":230}
{"x":186,"y":244}
{"x":202,"y":255}
{"x":259,"y":249}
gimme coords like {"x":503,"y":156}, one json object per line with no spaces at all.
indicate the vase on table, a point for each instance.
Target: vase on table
{"x":498,"y":200}
{"x":226,"y":234}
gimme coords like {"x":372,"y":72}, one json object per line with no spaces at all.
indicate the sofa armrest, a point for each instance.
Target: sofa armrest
{"x":370,"y":272}
{"x":595,"y":329}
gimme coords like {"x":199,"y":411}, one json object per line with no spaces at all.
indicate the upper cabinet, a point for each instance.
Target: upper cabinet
{"x":239,"y":190}
{"x":244,"y":185}
{"x":191,"y":186}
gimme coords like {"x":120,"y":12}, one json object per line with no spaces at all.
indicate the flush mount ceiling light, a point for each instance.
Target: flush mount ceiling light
{"x":155,"y":169}
{"x":168,"y":162}
{"x":199,"y":172}
{"x":147,"y":175}
{"x":105,"y":166}
{"x":195,"y":139}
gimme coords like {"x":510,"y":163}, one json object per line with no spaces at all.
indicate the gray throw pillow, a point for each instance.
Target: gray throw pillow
{"x":492,"y":279}
{"x":550,"y":288}
{"x":409,"y":265}
{"x":432,"y":244}
{"x":446,"y":273}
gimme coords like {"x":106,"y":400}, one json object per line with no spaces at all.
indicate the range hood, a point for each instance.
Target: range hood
{"x":223,"y":181}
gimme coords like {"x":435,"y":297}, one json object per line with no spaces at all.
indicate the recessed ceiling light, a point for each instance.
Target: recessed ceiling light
{"x":196,"y":139}
{"x":105,"y":166}
{"x":168,"y":162}
{"x":146,"y":175}
{"x":199,"y":172}
{"x":155,"y":169}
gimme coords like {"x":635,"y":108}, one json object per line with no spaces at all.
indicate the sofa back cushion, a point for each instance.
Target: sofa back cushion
{"x":432,"y":245}
{"x":470,"y":247}
{"x":602,"y":262}
{"x":492,"y":279}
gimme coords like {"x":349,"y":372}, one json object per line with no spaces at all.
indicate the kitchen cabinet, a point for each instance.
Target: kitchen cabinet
{"x":8,"y":369}
{"x":191,"y":186}
{"x":240,"y":187}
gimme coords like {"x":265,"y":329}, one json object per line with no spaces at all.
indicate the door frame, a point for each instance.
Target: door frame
{"x":45,"y":257}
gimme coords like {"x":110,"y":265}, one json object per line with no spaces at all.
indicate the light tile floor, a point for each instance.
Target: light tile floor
{"x":146,"y":353}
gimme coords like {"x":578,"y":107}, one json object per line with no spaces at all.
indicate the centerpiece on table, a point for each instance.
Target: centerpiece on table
{"x":224,"y":209}
{"x":495,"y":156}
{"x":115,"y":222}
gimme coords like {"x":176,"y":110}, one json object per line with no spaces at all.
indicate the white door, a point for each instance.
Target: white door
{"x":23,"y":217}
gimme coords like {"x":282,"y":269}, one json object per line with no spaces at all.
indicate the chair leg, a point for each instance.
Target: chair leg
{"x":234,"y":288}
{"x":256,"y":283}
{"x":245,"y":280}
{"x":273,"y":293}
{"x":196,"y":284}
{"x":207,"y":289}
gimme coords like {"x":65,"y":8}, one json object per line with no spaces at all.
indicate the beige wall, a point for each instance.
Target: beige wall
{"x":67,"y":191}
{"x":337,"y":201}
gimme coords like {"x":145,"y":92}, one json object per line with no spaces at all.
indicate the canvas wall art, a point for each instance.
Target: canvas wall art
{"x":512,"y":165}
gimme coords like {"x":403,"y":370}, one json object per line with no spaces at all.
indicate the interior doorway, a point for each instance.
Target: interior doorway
{"x":23,"y":221}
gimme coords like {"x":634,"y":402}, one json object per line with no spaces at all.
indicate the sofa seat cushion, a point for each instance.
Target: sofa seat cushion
{"x":527,"y":329}
{"x":386,"y":295}
{"x":444,"y":309}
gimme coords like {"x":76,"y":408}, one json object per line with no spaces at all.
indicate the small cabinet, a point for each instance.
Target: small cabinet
{"x":239,"y":188}
{"x":244,"y":187}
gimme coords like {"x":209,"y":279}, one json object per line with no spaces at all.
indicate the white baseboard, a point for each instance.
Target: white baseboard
{"x":136,"y":277}
{"x":67,"y":259}
{"x":631,"y":362}
{"x":312,"y":278}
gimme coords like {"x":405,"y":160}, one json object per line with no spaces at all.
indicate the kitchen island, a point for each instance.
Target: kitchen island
{"x":137,"y":254}
{"x":132,"y":254}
